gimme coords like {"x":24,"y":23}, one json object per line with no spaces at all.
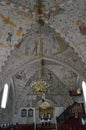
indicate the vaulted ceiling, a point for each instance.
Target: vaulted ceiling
{"x":64,"y":46}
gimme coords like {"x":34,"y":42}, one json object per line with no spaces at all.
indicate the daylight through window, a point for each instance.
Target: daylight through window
{"x":4,"y":96}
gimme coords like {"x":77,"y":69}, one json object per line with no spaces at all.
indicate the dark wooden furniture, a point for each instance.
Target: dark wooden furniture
{"x":70,"y":119}
{"x":45,"y":127}
{"x":19,"y":127}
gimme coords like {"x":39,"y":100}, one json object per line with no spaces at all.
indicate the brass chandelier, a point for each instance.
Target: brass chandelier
{"x":40,"y":85}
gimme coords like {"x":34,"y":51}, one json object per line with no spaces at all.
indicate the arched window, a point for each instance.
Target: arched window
{"x":84,"y":90}
{"x":23,"y":113}
{"x":4,"y":96}
{"x":30,"y":113}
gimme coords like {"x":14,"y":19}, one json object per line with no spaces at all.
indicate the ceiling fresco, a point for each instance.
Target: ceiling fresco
{"x":63,"y":36}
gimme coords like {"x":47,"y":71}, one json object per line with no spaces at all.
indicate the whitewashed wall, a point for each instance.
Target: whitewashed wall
{"x":23,"y":120}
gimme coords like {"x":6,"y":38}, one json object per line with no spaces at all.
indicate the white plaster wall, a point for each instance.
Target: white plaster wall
{"x":23,"y":120}
{"x":58,"y":111}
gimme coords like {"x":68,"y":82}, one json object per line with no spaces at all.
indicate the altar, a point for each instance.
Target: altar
{"x":46,"y":109}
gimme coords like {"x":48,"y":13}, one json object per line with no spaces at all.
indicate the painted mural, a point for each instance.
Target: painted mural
{"x":63,"y":39}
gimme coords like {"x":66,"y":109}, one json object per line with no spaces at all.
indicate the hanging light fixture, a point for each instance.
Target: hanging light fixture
{"x":40,"y":85}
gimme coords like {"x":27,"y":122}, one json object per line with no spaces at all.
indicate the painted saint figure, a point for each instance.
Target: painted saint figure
{"x":9,"y":38}
{"x":35,"y":47}
{"x":82,"y":27}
